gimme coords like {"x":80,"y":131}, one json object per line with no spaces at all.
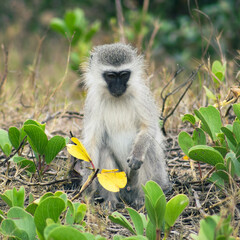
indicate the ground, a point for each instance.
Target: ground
{"x":205,"y":198}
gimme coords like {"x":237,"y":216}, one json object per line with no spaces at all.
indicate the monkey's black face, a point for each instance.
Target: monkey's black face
{"x":117,"y":82}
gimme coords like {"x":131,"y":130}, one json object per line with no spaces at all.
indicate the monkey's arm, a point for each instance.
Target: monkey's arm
{"x":140,"y":147}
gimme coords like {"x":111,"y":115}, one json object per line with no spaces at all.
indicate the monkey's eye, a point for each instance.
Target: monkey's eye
{"x":124,"y":75}
{"x":110,"y":76}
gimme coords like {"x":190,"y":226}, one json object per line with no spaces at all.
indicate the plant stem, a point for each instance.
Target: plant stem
{"x":158,"y":234}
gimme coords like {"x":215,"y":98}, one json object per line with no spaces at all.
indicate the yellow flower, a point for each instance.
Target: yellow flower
{"x":78,"y":150}
{"x":112,"y":180}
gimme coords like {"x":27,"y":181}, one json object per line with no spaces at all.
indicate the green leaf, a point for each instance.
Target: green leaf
{"x":185,"y":142}
{"x":54,"y":146}
{"x":23,"y":221}
{"x":221,"y":150}
{"x":236,"y":130}
{"x":153,"y":190}
{"x":160,"y":208}
{"x":137,"y":220}
{"x":52,"y":208}
{"x":199,"y":137}
{"x":219,"y":71}
{"x":70,"y":217}
{"x":38,"y":138}
{"x":33,"y":122}
{"x":59,"y":26}
{"x":80,"y":213}
{"x":235,"y":162}
{"x":150,"y":211}
{"x":66,"y":233}
{"x":25,"y":163}
{"x":217,"y":180}
{"x":189,"y":118}
{"x":231,"y":139}
{"x":209,"y":94}
{"x":236,"y":109}
{"x":211,"y":120}
{"x":18,"y":197}
{"x":31,"y":208}
{"x":9,"y":229}
{"x":205,"y":154}
{"x":118,"y":218}
{"x":174,"y":208}
{"x":14,"y":136}
{"x":150,"y":231}
{"x":5,"y":143}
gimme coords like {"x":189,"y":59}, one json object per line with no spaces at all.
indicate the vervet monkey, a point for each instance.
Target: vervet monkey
{"x":121,"y":124}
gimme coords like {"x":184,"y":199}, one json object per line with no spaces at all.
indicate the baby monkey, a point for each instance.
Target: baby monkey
{"x":121,"y":124}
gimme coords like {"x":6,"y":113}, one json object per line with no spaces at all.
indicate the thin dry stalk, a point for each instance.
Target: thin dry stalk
{"x":120,"y":20}
{"x":47,"y":99}
{"x":150,"y":44}
{"x":4,"y":77}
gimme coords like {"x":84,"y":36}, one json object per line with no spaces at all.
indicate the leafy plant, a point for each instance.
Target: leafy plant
{"x":223,"y":151}
{"x":161,"y":215}
{"x":214,"y":227}
{"x":32,"y":132}
{"x":75,"y":26}
{"x":42,"y":217}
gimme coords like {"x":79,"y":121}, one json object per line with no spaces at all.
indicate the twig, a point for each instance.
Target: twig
{"x":85,"y":185}
{"x":4,"y":77}
{"x":40,"y":183}
{"x":120,"y":20}
{"x":189,"y":82}
{"x":21,"y":144}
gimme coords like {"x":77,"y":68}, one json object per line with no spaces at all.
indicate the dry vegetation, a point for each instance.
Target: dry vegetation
{"x":43,"y":88}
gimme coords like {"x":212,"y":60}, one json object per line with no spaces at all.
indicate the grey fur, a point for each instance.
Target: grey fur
{"x":123,"y":132}
{"x":114,"y":54}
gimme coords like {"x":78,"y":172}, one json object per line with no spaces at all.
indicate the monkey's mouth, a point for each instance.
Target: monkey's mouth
{"x":117,"y":92}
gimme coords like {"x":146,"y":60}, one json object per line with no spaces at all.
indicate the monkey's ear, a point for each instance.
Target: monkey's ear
{"x":90,"y":59}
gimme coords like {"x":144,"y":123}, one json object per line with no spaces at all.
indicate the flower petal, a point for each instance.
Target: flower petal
{"x":112,"y":180}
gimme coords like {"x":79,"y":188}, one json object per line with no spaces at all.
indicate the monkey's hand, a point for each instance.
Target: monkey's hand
{"x":134,"y":163}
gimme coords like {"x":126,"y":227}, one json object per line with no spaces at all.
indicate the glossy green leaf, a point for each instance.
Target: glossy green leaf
{"x":236,"y":109}
{"x":80,"y":213}
{"x":174,"y":208}
{"x":54,"y":146}
{"x":23,"y":221}
{"x":205,"y":154}
{"x":230,"y":137}
{"x":236,"y":130}
{"x":189,"y":118}
{"x":59,"y":26}
{"x":211,"y":120}
{"x":150,"y":210}
{"x":150,"y":231}
{"x":33,"y":122}
{"x":153,"y":190}
{"x":185,"y":142}
{"x":137,"y":220}
{"x":25,"y":163}
{"x":199,"y":137}
{"x":18,"y":197}
{"x":160,"y":208}
{"x":9,"y":229}
{"x":38,"y":138}
{"x":5,"y":143}
{"x":66,"y":233}
{"x":14,"y":136}
{"x":118,"y":218}
{"x":52,"y":208}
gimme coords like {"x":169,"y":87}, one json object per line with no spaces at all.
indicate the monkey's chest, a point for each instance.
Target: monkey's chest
{"x":121,"y":128}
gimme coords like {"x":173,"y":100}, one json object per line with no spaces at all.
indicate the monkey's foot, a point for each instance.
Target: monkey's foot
{"x":134,"y":163}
